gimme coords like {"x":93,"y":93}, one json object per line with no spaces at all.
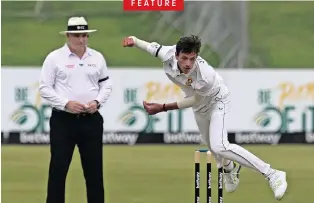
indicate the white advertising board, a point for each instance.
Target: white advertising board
{"x":262,"y":100}
{"x":272,"y":100}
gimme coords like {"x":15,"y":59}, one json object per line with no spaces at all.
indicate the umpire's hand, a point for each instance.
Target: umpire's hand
{"x":75,"y":107}
{"x":91,"y":107}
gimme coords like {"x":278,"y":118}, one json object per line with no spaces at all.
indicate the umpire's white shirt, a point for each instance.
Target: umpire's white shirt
{"x":65,"y":77}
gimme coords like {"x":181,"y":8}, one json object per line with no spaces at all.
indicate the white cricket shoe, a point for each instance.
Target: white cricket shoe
{"x":232,"y":179}
{"x":278,"y":183}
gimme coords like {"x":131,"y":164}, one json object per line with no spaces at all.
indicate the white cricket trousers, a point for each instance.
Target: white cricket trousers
{"x":214,"y":130}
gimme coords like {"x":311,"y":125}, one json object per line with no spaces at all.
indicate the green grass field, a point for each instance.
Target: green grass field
{"x":281,"y":33}
{"x":153,"y":174}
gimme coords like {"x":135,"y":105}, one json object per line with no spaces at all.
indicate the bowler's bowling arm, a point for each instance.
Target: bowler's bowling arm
{"x":152,"y":48}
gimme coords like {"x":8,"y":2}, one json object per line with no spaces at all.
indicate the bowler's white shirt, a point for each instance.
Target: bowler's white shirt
{"x":65,"y":77}
{"x":202,"y":80}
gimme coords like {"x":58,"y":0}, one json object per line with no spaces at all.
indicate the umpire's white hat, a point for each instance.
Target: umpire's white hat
{"x":77,"y":25}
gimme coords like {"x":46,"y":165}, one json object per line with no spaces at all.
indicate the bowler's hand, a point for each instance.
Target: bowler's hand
{"x":91,"y":107}
{"x":152,"y":108}
{"x":75,"y":107}
{"x":128,"y":42}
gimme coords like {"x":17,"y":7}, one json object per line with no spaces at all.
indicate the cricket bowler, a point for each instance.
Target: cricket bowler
{"x":208,"y":96}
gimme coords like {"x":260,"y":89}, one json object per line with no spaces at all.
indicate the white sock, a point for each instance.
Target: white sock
{"x":269,"y":172}
{"x":228,"y":165}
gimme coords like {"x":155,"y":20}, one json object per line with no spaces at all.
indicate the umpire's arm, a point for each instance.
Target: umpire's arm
{"x":46,"y":83}
{"x":105,"y":84}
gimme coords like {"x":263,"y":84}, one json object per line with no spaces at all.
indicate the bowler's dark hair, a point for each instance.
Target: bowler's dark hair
{"x":189,"y":44}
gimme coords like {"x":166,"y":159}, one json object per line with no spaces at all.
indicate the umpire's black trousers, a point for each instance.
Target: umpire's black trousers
{"x":66,"y":131}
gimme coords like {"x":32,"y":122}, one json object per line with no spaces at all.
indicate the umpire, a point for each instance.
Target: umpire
{"x":75,"y":81}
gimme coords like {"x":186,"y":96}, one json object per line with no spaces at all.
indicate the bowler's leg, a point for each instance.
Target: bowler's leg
{"x":91,"y":151}
{"x":221,"y":146}
{"x":203,"y":124}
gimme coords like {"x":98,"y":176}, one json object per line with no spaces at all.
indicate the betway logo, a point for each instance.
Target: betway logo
{"x":34,"y":138}
{"x":189,"y":138}
{"x":120,"y":138}
{"x":257,"y":138}
{"x":220,"y":181}
{"x":198,"y":180}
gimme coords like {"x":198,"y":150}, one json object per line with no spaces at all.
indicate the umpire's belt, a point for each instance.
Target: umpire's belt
{"x":76,"y":115}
